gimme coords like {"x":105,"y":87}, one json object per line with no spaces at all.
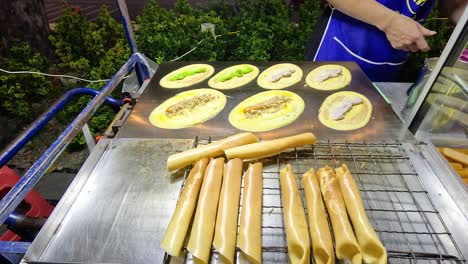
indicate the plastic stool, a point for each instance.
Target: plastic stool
{"x":39,"y":207}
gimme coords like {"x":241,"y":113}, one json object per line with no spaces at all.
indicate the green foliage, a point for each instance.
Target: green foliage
{"x":164,"y":34}
{"x":79,"y":44}
{"x":254,"y":30}
{"x":310,"y":11}
{"x":19,"y":91}
{"x":94,"y":50}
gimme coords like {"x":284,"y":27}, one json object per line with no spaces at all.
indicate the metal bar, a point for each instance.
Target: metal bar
{"x":11,"y":258}
{"x":127,"y":24}
{"x":32,"y":130}
{"x":88,"y":137}
{"x":14,"y":247}
{"x":432,"y":202}
{"x":421,"y":214}
{"x":410,"y":120}
{"x":14,"y":197}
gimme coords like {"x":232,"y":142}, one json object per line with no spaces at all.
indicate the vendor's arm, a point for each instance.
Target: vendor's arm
{"x":452,"y":9}
{"x":402,"y":32}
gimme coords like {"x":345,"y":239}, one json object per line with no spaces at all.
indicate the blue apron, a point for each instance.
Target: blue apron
{"x":348,"y":39}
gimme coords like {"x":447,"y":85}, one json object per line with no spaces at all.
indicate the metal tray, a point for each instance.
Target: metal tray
{"x":383,"y":125}
{"x":118,"y":206}
{"x":397,"y":204}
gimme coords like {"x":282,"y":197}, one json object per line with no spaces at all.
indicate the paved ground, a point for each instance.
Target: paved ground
{"x":54,"y":8}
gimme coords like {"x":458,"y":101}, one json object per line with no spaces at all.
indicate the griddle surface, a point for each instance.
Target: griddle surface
{"x":384,"y":124}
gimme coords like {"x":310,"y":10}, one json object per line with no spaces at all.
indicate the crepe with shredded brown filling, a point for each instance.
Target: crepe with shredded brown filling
{"x":271,"y":105}
{"x":188,"y":104}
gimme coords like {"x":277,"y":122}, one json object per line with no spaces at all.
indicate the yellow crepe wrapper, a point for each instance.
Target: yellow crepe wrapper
{"x":372,"y":248}
{"x":203,"y":226}
{"x":176,"y":231}
{"x":249,"y":240}
{"x":269,"y":148}
{"x":297,"y":234}
{"x":226,"y":219}
{"x":322,"y":245}
{"x":347,"y":248}
{"x":180,"y":160}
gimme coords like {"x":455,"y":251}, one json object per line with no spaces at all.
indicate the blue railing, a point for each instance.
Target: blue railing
{"x":17,"y":193}
{"x":39,"y":123}
{"x":9,"y":250}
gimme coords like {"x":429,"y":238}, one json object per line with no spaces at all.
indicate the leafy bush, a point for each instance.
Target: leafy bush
{"x":19,"y":91}
{"x":255,"y":30}
{"x":94,"y":50}
{"x":79,"y":44}
{"x":166,"y":34}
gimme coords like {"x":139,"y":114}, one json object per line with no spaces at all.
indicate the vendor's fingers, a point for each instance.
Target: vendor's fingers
{"x":427,"y":32}
{"x":403,"y":48}
{"x":422,"y":45}
{"x":413,"y":48}
{"x":406,"y":45}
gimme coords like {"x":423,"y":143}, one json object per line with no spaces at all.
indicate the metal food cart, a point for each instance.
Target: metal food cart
{"x":119,"y":204}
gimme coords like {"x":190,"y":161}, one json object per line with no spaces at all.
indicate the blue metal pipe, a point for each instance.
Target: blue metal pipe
{"x":12,"y":218}
{"x":14,"y":247}
{"x":32,"y":130}
{"x":127,"y":24}
{"x":16,"y":194}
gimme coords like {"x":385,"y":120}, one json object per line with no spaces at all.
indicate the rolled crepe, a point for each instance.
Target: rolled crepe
{"x":249,"y":240}
{"x":269,"y":148}
{"x":297,"y":234}
{"x":347,"y":247}
{"x":226,"y":219}
{"x":180,"y":160}
{"x":372,"y":249}
{"x":322,"y":245}
{"x":176,"y":231}
{"x":201,"y":235}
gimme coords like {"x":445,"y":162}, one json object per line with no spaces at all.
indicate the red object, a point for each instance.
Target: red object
{"x":39,"y":206}
{"x":97,"y":138}
{"x":127,"y":100}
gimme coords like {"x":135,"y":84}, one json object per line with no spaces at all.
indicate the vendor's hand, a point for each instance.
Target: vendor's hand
{"x":406,"y":34}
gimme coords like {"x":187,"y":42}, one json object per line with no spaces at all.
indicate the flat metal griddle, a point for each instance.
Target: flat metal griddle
{"x":118,"y":206}
{"x":384,"y":124}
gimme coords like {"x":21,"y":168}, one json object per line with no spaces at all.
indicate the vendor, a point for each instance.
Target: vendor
{"x":375,"y":34}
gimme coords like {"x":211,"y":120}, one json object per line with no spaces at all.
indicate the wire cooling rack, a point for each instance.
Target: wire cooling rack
{"x":397,"y":204}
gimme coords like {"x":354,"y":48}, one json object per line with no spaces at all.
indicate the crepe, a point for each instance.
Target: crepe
{"x":188,"y":109}
{"x":280,"y":76}
{"x":267,"y":111}
{"x":356,"y":116}
{"x":176,"y":231}
{"x":372,"y":249}
{"x":203,"y":226}
{"x":455,"y":154}
{"x":346,"y":246}
{"x":180,"y":160}
{"x":249,"y":240}
{"x":186,"y":76}
{"x":322,"y":245}
{"x":226,"y":219}
{"x":329,"y":77}
{"x":297,"y":234}
{"x":269,"y":148}
{"x":234,"y":76}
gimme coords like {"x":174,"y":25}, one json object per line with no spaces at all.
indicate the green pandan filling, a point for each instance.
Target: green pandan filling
{"x":237,"y":73}
{"x":187,"y":73}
